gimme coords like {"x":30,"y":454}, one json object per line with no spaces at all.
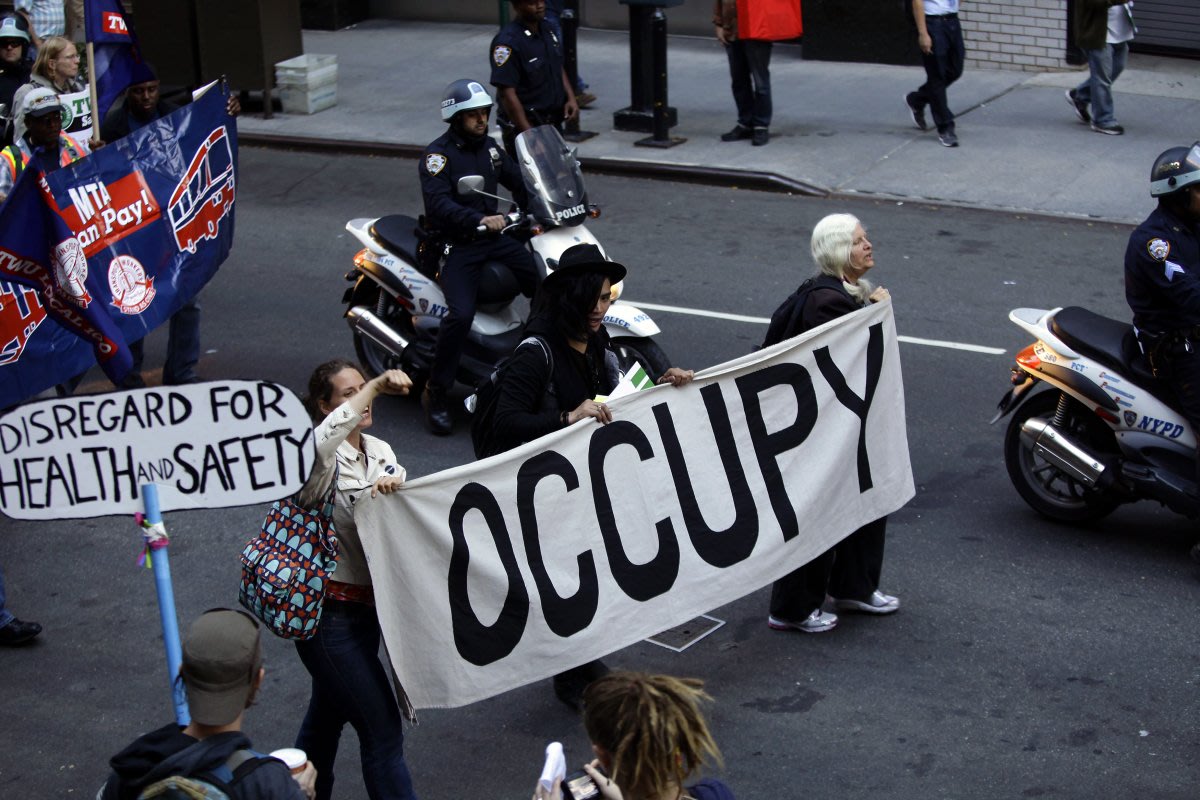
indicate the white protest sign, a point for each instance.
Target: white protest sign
{"x":517,"y":567}
{"x":205,"y":445}
{"x":77,"y":115}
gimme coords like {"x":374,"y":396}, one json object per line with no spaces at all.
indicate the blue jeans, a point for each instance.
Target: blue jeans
{"x":1104,"y":66}
{"x":350,"y":684}
{"x":5,"y":615}
{"x":750,"y":73}
{"x":943,"y":66}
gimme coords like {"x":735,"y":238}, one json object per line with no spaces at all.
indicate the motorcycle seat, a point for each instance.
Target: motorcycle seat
{"x":1111,"y":343}
{"x":398,"y":233}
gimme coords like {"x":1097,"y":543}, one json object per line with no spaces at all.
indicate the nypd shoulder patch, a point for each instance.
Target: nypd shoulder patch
{"x":500,"y":54}
{"x":1159,"y":249}
{"x":435,"y":163}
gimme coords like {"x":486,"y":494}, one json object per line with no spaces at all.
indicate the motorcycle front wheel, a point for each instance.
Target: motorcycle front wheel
{"x":1046,"y":488}
{"x":632,"y":350}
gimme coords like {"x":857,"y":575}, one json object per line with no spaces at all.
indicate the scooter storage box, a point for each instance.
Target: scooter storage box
{"x":307,"y":84}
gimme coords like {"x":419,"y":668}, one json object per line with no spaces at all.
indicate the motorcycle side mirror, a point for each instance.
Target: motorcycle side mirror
{"x":470,"y":184}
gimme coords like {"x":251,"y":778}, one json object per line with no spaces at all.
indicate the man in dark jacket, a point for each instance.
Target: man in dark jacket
{"x":471,"y":224}
{"x":221,"y":671}
{"x":1103,"y":29}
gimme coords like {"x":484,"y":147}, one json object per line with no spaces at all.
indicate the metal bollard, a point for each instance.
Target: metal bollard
{"x":570,"y":29}
{"x":661,"y":121}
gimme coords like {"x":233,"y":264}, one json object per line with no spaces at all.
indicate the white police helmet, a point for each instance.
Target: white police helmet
{"x":463,"y":95}
{"x":9,"y":29}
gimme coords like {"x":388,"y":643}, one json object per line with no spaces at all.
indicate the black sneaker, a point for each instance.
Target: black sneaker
{"x":760,"y":137}
{"x":948,"y":139}
{"x":1080,"y":107}
{"x":918,"y":113}
{"x":18,"y":633}
{"x":437,"y":411}
{"x":738,"y":134}
{"x":1112,"y":129}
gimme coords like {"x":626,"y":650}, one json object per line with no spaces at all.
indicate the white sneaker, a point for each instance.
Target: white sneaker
{"x":877,"y":603}
{"x":817,"y":622}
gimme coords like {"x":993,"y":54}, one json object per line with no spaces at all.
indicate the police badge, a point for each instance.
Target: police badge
{"x":1159,"y":249}
{"x":1130,"y":418}
{"x":435,"y":163}
{"x":500,"y":54}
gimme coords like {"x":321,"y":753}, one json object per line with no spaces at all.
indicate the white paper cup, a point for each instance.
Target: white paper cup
{"x":295,"y":758}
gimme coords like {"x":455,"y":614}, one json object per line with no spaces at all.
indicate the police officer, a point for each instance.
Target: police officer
{"x":1162,"y":277}
{"x":527,"y":71}
{"x":466,"y":149}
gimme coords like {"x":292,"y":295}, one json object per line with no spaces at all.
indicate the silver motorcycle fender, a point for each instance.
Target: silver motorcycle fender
{"x":623,"y":319}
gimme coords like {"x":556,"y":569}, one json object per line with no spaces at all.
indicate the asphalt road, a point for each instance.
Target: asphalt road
{"x":1029,"y":659}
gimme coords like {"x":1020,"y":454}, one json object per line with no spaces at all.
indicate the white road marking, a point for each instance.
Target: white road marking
{"x":700,"y":312}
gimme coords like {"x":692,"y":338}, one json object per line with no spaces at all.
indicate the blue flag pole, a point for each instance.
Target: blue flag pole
{"x":156,"y":546}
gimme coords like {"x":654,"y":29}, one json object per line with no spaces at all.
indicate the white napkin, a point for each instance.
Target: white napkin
{"x":555,"y":766}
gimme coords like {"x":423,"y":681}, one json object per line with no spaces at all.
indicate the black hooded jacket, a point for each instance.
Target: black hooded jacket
{"x":169,"y":751}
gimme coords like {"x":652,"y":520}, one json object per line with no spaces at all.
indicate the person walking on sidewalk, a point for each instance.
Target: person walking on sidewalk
{"x":528,"y":73}
{"x":939,"y":36}
{"x":750,"y":73}
{"x":1103,"y":29}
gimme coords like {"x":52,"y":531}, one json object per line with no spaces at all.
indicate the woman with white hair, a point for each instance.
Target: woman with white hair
{"x":848,"y":572}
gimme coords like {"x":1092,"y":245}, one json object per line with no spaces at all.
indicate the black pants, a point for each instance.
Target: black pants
{"x":750,"y":76}
{"x":460,"y":284}
{"x":848,"y":570}
{"x":1184,"y":378}
{"x":546,"y":116}
{"x":943,"y":66}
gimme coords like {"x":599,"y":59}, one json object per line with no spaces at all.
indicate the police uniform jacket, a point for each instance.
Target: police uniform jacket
{"x":531,"y":63}
{"x":450,"y":157}
{"x":1162,"y":274}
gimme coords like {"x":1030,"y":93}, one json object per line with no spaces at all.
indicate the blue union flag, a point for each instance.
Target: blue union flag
{"x":95,"y":255}
{"x":118,"y":61}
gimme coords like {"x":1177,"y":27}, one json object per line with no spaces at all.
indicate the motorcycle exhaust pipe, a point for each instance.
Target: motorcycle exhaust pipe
{"x":365,"y":322}
{"x":1055,"y":446}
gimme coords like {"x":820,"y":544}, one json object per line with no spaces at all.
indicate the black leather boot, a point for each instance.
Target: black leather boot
{"x":437,"y":411}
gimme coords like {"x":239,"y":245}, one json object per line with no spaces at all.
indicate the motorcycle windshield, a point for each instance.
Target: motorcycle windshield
{"x":552,"y":177}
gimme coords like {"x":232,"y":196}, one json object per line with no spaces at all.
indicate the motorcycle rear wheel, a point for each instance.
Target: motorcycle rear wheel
{"x":1042,"y":485}
{"x":631,"y":350}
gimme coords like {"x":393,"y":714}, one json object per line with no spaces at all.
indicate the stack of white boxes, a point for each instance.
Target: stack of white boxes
{"x":307,"y":84}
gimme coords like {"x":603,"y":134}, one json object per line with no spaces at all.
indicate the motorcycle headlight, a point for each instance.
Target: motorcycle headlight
{"x":616,"y":289}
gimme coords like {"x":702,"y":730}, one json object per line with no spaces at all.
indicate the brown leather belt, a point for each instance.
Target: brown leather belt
{"x":350,"y":592}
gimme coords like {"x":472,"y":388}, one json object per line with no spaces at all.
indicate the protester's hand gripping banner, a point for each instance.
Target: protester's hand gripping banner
{"x":514,"y":568}
{"x":95,"y":255}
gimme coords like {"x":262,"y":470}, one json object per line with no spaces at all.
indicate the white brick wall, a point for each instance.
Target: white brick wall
{"x":1026,"y":35}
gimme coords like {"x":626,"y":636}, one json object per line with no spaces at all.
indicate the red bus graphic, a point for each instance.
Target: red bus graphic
{"x":204,"y":194}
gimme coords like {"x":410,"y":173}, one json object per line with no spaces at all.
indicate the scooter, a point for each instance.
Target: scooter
{"x":1092,"y":428}
{"x":395,"y":305}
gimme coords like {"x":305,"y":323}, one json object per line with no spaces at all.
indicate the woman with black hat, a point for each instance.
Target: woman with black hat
{"x":553,"y":382}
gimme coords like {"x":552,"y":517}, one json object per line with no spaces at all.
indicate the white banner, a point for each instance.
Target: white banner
{"x":77,"y":118}
{"x":205,"y":445}
{"x":514,"y":568}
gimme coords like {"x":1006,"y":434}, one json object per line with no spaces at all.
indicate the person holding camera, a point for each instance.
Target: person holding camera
{"x":649,"y":737}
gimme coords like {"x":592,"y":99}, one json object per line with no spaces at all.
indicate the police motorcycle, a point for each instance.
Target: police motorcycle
{"x":395,"y":305}
{"x":1091,"y":426}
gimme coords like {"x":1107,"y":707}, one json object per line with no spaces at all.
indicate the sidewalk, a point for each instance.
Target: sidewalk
{"x":838,"y":128}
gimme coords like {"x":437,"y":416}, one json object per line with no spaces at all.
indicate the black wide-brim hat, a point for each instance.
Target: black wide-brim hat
{"x":579,"y":260}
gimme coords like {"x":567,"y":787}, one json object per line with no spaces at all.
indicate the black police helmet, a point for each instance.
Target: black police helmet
{"x":1177,"y":168}
{"x":463,"y":95}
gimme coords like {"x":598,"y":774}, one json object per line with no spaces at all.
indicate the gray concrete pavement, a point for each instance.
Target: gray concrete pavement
{"x":839,"y":128}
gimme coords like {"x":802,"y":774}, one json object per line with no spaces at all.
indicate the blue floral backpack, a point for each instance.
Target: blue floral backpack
{"x":286,"y":567}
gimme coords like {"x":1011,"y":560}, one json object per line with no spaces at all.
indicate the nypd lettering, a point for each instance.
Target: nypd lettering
{"x":500,"y":54}
{"x":1159,"y":249}
{"x":1162,"y":427}
{"x":435,"y":163}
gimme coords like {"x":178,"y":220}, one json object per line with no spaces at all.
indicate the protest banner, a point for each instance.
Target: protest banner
{"x":205,"y":445}
{"x":514,"y":568}
{"x":114,"y":58}
{"x":77,"y":115}
{"x":112,"y":245}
